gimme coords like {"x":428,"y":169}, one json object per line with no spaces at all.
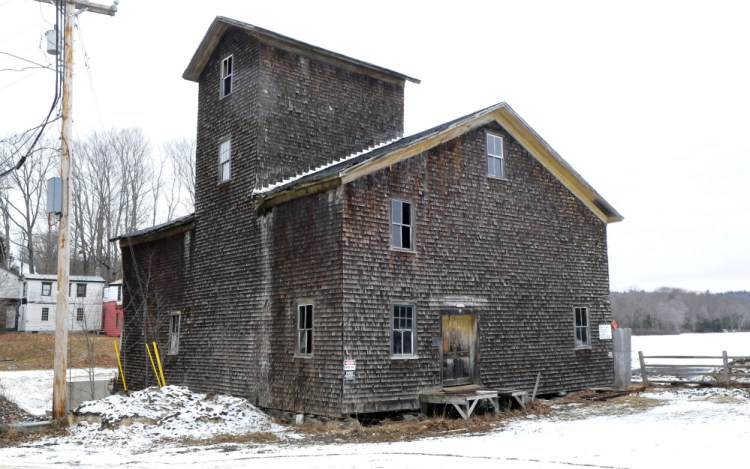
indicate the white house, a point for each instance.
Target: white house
{"x":10,"y":297}
{"x":40,"y":300}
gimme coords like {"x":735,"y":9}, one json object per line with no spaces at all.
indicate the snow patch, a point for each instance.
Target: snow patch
{"x":283,"y":182}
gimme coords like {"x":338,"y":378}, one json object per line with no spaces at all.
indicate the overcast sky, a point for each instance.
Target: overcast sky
{"x":648,"y":101}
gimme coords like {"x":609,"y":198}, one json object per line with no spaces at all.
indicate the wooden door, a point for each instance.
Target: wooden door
{"x":459,"y":349}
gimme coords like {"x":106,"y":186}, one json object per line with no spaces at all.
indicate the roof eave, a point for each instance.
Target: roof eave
{"x":221,"y":24}
{"x":503,"y":115}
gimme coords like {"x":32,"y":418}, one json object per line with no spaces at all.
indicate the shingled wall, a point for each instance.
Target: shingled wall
{"x":287,"y":112}
{"x":519,"y":252}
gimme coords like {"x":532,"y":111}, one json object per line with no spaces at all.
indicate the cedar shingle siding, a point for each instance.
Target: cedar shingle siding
{"x":518,"y":252}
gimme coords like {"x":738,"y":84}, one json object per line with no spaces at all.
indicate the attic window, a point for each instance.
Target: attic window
{"x":227,"y":72}
{"x":402,"y":225}
{"x":495,"y":160}
{"x":46,"y":288}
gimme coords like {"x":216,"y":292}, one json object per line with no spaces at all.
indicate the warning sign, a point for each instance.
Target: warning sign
{"x":350,"y":365}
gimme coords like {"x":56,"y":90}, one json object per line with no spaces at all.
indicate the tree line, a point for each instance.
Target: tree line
{"x":120,"y":182}
{"x":672,"y":311}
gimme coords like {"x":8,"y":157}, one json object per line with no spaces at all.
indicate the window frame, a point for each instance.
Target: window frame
{"x":175,"y":318}
{"x":49,"y":291}
{"x":226,"y":75}
{"x":493,"y":156}
{"x":225,"y":163}
{"x":400,"y":225}
{"x":80,"y":315}
{"x":413,"y":330}
{"x":579,"y":341}
{"x":45,"y":314}
{"x":308,"y":330}
{"x":80,"y":290}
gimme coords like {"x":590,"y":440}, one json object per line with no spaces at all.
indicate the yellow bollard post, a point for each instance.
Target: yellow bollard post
{"x":158,"y":361}
{"x":119,"y":364}
{"x":158,"y":382}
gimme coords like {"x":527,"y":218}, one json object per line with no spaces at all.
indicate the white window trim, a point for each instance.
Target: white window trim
{"x":222,"y":77}
{"x":392,"y":312}
{"x":576,"y":328}
{"x":225,"y":151}
{"x":298,"y":329}
{"x":495,"y":156}
{"x":174,"y":337}
{"x":391,"y":224}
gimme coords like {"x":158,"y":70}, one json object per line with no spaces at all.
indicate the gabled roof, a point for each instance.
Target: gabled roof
{"x":222,"y":24}
{"x":361,"y":164}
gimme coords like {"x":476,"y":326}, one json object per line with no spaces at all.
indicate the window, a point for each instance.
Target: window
{"x":119,"y":292}
{"x":583,"y":338}
{"x":81,"y":290}
{"x":46,"y":288}
{"x":304,"y":329}
{"x":495,"y":161}
{"x":402,"y":342}
{"x":227,"y":72}
{"x":174,"y":333}
{"x":79,"y":314}
{"x":402,"y":225}
{"x":45,"y":314}
{"x":225,"y":156}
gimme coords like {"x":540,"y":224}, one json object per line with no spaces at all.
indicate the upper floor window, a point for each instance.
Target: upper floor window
{"x":46,"y":288}
{"x":304,"y":329}
{"x":495,"y":160}
{"x":402,"y":341}
{"x":227,"y":72}
{"x":583,"y":336}
{"x":402,"y":225}
{"x":225,"y":158}
{"x":81,"y":290}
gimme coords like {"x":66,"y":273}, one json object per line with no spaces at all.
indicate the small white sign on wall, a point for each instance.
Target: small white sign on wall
{"x":605,"y":332}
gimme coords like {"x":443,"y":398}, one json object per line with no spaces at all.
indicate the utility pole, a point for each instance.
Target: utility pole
{"x":59,"y":388}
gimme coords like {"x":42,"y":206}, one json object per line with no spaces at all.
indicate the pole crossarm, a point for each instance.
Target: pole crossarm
{"x":89,"y":6}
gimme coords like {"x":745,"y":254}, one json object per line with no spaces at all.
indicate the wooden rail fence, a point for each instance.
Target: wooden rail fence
{"x":731,"y":367}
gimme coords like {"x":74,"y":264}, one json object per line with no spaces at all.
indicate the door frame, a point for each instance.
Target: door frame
{"x":476,"y":352}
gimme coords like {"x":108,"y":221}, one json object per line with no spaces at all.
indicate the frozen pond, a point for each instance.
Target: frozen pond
{"x":709,"y":344}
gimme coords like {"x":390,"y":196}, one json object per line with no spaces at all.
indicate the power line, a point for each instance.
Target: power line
{"x":25,"y":60}
{"x":46,"y":121}
{"x":88,"y":72}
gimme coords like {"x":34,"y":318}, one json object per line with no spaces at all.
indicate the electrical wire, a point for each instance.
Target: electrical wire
{"x":59,"y":16}
{"x":88,"y":72}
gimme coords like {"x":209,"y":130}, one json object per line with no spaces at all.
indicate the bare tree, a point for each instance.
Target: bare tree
{"x":28,"y":185}
{"x":112,"y":178}
{"x":181,"y":153}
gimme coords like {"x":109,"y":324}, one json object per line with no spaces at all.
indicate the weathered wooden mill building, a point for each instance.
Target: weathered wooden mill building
{"x":333,"y":266}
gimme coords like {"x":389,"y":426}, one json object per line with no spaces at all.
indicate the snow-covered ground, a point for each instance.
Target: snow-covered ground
{"x":660,"y":428}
